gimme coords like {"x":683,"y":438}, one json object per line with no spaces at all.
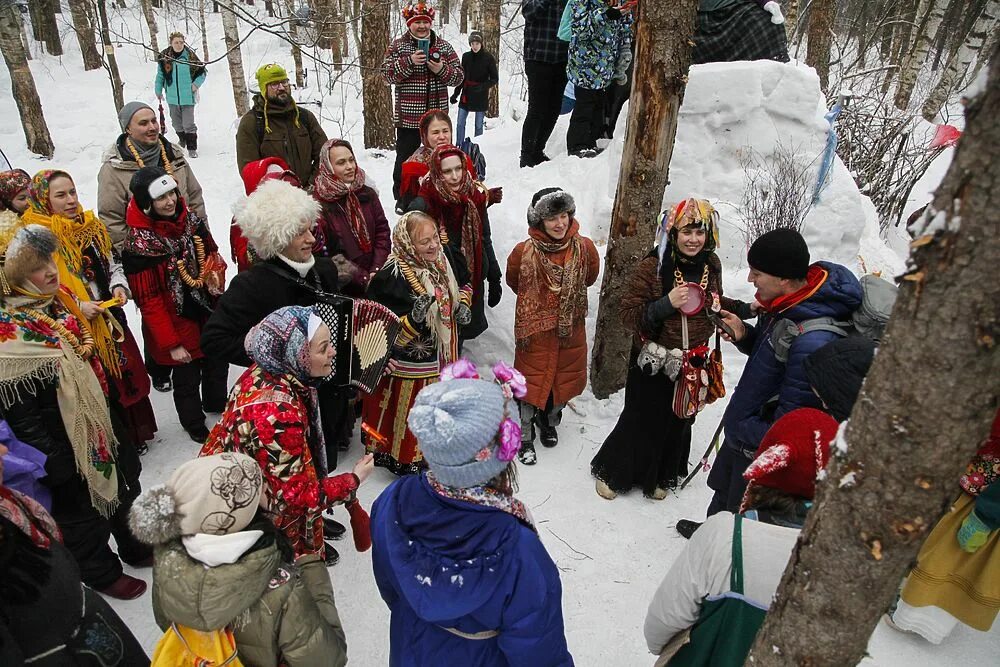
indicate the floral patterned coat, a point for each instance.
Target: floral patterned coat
{"x":268,"y":418}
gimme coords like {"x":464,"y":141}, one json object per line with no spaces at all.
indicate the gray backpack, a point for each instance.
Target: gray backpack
{"x":870,"y":320}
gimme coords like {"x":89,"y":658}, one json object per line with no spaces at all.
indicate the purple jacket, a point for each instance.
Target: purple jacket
{"x":338,"y":238}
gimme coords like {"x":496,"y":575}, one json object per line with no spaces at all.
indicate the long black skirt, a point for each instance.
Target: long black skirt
{"x":650,"y":445}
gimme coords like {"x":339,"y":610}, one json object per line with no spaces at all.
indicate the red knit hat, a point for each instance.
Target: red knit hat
{"x":418,"y":11}
{"x":793,"y":451}
{"x":258,"y":171}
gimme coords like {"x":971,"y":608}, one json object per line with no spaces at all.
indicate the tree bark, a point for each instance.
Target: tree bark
{"x":930,"y":13}
{"x":324,"y":23}
{"x":374,"y":90}
{"x":908,"y":440}
{"x":491,"y":42}
{"x":293,"y":32}
{"x":204,"y":32}
{"x":463,"y":23}
{"x":959,"y":64}
{"x":662,"y":59}
{"x":791,"y":19}
{"x":150,"y":17}
{"x":445,"y":12}
{"x":85,"y":35}
{"x":25,"y":42}
{"x":235,"y":58}
{"x":36,"y":132}
{"x":46,"y":30}
{"x":111,"y":62}
{"x":821,"y":15}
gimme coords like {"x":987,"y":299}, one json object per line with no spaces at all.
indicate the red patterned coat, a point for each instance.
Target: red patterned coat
{"x":418,"y":89}
{"x":267,"y":417}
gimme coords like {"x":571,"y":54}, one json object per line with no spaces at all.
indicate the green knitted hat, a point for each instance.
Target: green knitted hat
{"x":272,"y":73}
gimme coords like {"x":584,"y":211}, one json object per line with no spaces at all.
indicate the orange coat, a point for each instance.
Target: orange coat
{"x":548,"y":364}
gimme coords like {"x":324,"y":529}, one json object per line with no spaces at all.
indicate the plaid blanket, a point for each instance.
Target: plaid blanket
{"x":742,"y":31}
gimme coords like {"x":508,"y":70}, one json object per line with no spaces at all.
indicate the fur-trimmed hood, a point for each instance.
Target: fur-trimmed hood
{"x":275,"y":214}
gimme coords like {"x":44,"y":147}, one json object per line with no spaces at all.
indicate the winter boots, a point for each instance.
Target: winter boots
{"x":546,"y":432}
{"x":605,"y":491}
{"x":188,"y":140}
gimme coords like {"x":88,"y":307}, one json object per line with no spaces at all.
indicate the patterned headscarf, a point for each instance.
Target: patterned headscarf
{"x":11,"y":183}
{"x":472,"y":223}
{"x":328,"y":188}
{"x":280,"y":342}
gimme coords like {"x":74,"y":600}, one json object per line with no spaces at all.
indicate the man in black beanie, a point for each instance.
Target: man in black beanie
{"x":788,"y":288}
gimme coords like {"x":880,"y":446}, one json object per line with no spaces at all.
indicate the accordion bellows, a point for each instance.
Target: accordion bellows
{"x":364,"y":333}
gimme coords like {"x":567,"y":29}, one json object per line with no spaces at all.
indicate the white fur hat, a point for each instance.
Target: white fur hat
{"x":275,"y":214}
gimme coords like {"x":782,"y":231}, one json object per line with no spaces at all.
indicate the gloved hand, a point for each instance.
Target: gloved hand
{"x":495,"y":293}
{"x":463,"y":314}
{"x":973,"y":533}
{"x":420,"y":307}
{"x":454,"y":98}
{"x":774,"y":9}
{"x":495,"y":195}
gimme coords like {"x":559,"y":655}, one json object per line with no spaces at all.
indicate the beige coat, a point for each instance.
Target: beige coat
{"x":113,"y":194}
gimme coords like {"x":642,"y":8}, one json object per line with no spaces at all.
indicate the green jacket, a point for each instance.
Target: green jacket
{"x":287,"y":131}
{"x":274,"y":616}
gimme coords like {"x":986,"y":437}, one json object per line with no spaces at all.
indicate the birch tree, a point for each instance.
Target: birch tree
{"x":29,"y":107}
{"x":932,"y":12}
{"x":912,"y":432}
{"x":150,"y":17}
{"x":110,"y":59}
{"x":85,"y":35}
{"x":235,"y":58}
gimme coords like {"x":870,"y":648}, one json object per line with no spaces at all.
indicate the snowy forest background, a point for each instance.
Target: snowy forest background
{"x":751,"y":137}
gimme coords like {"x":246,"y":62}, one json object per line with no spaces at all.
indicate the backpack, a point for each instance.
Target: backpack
{"x":476,"y":155}
{"x":870,"y":319}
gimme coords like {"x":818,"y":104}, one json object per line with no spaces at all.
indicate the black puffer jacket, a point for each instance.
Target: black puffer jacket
{"x":253,"y":295}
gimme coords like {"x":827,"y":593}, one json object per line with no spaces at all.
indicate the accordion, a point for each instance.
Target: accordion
{"x":363,"y":334}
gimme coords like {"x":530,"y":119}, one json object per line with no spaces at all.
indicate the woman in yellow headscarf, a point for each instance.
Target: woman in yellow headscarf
{"x":90,"y":270}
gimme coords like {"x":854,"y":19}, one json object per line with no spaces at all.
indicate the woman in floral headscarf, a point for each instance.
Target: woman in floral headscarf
{"x":427,"y":286}
{"x":90,"y":269}
{"x":53,"y":393}
{"x":14,"y":190}
{"x":352,"y":227}
{"x":273,"y":416}
{"x":458,"y":203}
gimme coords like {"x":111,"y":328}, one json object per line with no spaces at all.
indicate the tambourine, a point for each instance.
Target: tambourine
{"x":695,"y":300}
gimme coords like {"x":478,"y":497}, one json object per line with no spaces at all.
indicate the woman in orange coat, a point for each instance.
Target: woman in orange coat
{"x":550,"y":273}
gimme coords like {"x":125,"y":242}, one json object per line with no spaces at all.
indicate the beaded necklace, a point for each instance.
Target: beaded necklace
{"x":84,"y":349}
{"x":679,"y":278}
{"x":169,"y":168}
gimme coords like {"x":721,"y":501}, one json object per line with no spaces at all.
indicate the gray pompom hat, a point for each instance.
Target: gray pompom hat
{"x":457,"y":423}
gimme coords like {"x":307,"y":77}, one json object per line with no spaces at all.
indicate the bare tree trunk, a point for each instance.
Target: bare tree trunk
{"x":959,"y":64}
{"x":791,"y":19}
{"x":930,"y":12}
{"x":874,"y":510}
{"x":25,"y":42}
{"x":463,"y":24}
{"x":374,"y":90}
{"x":337,"y":36}
{"x":445,"y":10}
{"x":235,"y":58}
{"x":85,"y":35}
{"x":36,"y":132}
{"x":111,"y":62}
{"x":47,"y":30}
{"x":147,"y":13}
{"x":491,"y":39}
{"x":324,"y":23}
{"x":204,"y":32}
{"x":821,"y":15}
{"x":662,"y":59}
{"x":293,"y":32}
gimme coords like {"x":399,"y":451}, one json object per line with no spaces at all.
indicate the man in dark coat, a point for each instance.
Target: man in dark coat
{"x":545,"y":58}
{"x":277,"y":127}
{"x":788,"y":287}
{"x":473,"y":94}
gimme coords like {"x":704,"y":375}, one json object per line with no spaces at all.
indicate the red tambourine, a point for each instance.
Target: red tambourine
{"x":695,"y":301}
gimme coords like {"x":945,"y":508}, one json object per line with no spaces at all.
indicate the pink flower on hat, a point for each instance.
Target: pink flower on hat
{"x":511,"y":379}
{"x":510,"y":440}
{"x":461,"y":369}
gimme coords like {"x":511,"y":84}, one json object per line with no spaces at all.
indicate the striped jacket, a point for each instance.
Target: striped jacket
{"x":418,"y":90}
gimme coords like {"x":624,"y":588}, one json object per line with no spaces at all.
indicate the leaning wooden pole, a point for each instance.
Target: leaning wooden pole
{"x":662,"y":59}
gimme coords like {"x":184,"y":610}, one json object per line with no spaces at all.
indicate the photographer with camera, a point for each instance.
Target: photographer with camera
{"x":421,"y":66}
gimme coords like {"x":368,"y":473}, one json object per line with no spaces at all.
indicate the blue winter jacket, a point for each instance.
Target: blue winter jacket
{"x":179,"y":91}
{"x":600,"y":48}
{"x":443,"y":563}
{"x":764,"y":377}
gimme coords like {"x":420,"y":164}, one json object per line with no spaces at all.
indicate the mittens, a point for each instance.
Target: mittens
{"x":463,"y":315}
{"x":420,"y":307}
{"x":973,"y":533}
{"x":495,"y":292}
{"x":360,"y":526}
{"x":774,"y":9}
{"x":495,"y":195}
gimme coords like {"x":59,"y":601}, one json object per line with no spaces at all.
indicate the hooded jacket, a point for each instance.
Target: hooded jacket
{"x":443,"y":563}
{"x":765,"y":378}
{"x":295,"y":136}
{"x":274,"y":618}
{"x":117,"y":169}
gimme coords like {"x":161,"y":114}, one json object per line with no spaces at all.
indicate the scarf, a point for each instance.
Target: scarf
{"x":29,"y":516}
{"x":484,"y":496}
{"x":540,"y":276}
{"x":814,"y":280}
{"x":168,"y":57}
{"x":280,"y":345}
{"x":301,"y":268}
{"x":435,"y":279}
{"x":11,"y":183}
{"x":145,"y":155}
{"x":164,"y":243}
{"x":471,"y":225}
{"x":33,"y":352}
{"x":422,"y":155}
{"x":76,"y":235}
{"x":330,"y":189}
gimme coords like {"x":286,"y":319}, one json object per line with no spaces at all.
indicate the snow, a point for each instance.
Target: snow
{"x":611,"y":555}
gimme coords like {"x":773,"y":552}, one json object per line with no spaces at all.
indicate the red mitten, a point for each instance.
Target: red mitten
{"x":360,"y":526}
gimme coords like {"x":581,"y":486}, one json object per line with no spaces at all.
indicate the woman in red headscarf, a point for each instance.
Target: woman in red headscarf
{"x":435,"y":130}
{"x":458,"y":204}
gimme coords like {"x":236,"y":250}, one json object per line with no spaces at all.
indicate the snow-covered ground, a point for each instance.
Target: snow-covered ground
{"x":611,"y":555}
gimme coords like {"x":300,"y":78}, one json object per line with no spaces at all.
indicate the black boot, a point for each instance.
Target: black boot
{"x":333,"y":530}
{"x":528,"y":159}
{"x":192,"y":144}
{"x":546,"y":433}
{"x":686,"y":528}
{"x":182,"y":139}
{"x":526,"y":455}
{"x":331,"y":555}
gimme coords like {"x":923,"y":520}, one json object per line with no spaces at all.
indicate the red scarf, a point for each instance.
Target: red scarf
{"x":471,"y":224}
{"x":29,"y":516}
{"x":815,"y":278}
{"x":330,"y":189}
